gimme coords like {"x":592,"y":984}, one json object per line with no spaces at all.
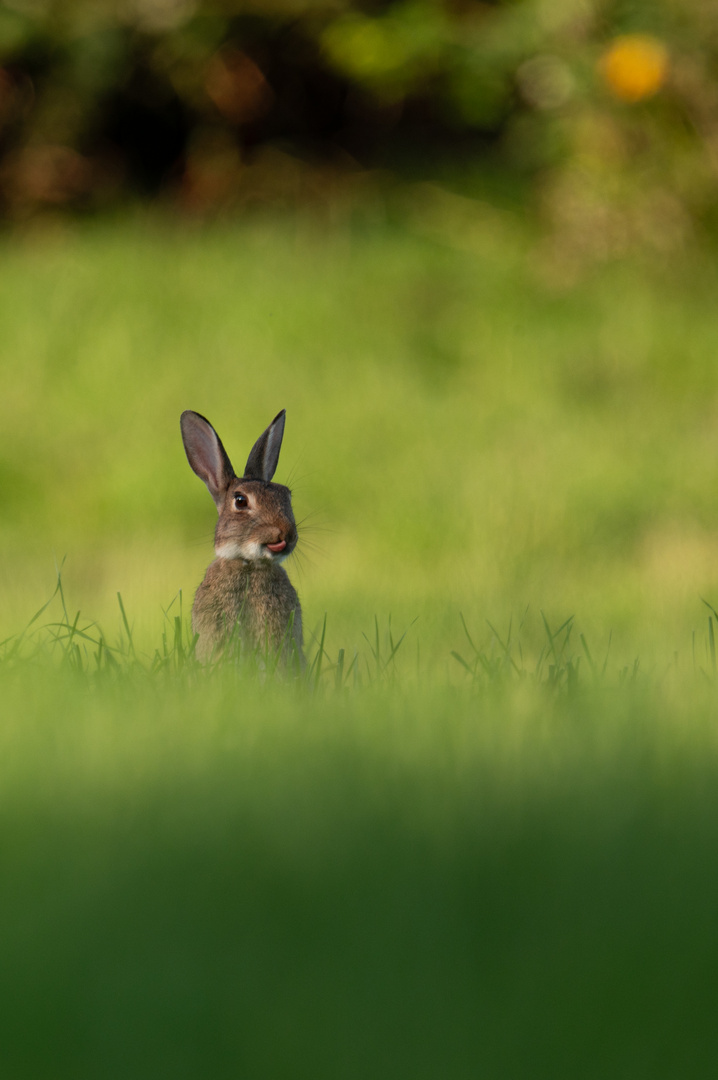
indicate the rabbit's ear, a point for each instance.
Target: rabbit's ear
{"x":206,"y":454}
{"x":262,"y":462}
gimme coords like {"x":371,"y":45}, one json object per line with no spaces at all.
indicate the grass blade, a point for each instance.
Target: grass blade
{"x":128,"y":631}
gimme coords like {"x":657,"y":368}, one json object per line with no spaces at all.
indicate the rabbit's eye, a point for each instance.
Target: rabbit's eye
{"x":241,"y":502}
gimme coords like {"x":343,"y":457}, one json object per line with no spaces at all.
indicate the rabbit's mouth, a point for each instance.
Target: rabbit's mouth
{"x":278,"y":552}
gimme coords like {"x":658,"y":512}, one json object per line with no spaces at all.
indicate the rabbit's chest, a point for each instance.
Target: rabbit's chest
{"x":259,"y":598}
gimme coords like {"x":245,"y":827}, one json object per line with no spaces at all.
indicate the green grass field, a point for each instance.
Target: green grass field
{"x":489,"y":851}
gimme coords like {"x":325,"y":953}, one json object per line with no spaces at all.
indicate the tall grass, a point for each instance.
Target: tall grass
{"x":211,"y":872}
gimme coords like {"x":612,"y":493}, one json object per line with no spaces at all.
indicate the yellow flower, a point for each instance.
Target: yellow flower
{"x":635,"y":66}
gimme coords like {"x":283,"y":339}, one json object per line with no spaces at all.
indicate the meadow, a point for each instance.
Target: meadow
{"x":479,"y":837}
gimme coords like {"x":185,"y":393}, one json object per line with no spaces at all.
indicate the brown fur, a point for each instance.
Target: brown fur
{"x":270,"y":519}
{"x":255,"y":597}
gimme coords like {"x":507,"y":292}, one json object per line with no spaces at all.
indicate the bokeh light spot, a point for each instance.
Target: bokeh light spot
{"x":635,"y":67}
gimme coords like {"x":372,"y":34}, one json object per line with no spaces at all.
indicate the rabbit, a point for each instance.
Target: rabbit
{"x":246,"y":596}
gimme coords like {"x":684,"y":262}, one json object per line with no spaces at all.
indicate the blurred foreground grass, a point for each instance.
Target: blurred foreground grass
{"x":431,"y":873}
{"x":206,"y":876}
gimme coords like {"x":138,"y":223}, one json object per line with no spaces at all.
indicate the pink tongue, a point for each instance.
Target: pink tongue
{"x":277,"y":547}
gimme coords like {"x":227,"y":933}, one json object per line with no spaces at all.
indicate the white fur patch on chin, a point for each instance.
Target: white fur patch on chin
{"x":251,"y":551}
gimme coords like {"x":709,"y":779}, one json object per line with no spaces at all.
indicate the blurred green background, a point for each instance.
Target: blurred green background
{"x":470,"y":247}
{"x":460,"y":437}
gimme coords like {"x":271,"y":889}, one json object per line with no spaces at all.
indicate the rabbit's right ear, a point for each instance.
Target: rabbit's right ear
{"x":264,"y":455}
{"x":206,"y":454}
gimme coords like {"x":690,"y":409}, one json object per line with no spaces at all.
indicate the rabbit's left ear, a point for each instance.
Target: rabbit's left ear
{"x":206,"y":454}
{"x":262,"y":461}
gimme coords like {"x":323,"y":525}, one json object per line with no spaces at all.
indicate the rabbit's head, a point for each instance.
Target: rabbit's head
{"x":255,"y":516}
